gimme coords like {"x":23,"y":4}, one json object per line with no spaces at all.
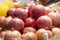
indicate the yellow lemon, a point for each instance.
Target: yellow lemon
{"x":9,"y":3}
{"x":3,"y":10}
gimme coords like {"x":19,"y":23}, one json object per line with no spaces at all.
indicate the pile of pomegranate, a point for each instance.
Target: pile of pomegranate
{"x":30,"y":23}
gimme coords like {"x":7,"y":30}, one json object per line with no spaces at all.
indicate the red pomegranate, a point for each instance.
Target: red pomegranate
{"x":16,"y":23}
{"x":20,"y":13}
{"x":44,"y":22}
{"x":30,"y":22}
{"x":48,"y":10}
{"x":55,"y":18}
{"x":38,"y":10}
{"x":30,"y":9}
{"x":10,"y":12}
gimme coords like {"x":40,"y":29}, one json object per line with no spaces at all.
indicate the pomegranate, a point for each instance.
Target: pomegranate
{"x":48,"y":10}
{"x":2,"y":34}
{"x":44,"y":22}
{"x":30,"y":9}
{"x":55,"y":18}
{"x":11,"y":12}
{"x":37,"y":11}
{"x":16,"y":23}
{"x":20,"y":13}
{"x":7,"y":20}
{"x":30,"y":22}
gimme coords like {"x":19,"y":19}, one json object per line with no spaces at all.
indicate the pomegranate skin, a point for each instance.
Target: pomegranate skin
{"x":11,"y":12}
{"x":16,"y":23}
{"x":30,"y":22}
{"x":55,"y":18}
{"x":38,"y":11}
{"x":44,"y":22}
{"x":21,"y":13}
{"x":30,"y":9}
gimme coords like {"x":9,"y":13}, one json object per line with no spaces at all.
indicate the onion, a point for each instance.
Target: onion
{"x":8,"y":19}
{"x":41,"y":32}
{"x":2,"y":18}
{"x":29,"y":29}
{"x":3,"y":34}
{"x":56,"y":31}
{"x":12,"y":35}
{"x":29,"y":36}
{"x":50,"y":34}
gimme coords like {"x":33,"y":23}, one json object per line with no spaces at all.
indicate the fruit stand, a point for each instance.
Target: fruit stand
{"x":29,"y":20}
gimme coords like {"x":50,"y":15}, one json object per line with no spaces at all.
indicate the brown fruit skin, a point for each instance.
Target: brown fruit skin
{"x":16,"y":23}
{"x":2,"y":18}
{"x":7,"y":20}
{"x":56,"y":31}
{"x":29,"y":36}
{"x":50,"y":34}
{"x":12,"y":35}
{"x":2,"y":34}
{"x":44,"y":22}
{"x":29,"y":29}
{"x":40,"y":34}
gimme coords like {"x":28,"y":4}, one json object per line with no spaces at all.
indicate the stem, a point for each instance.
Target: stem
{"x":46,"y":36}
